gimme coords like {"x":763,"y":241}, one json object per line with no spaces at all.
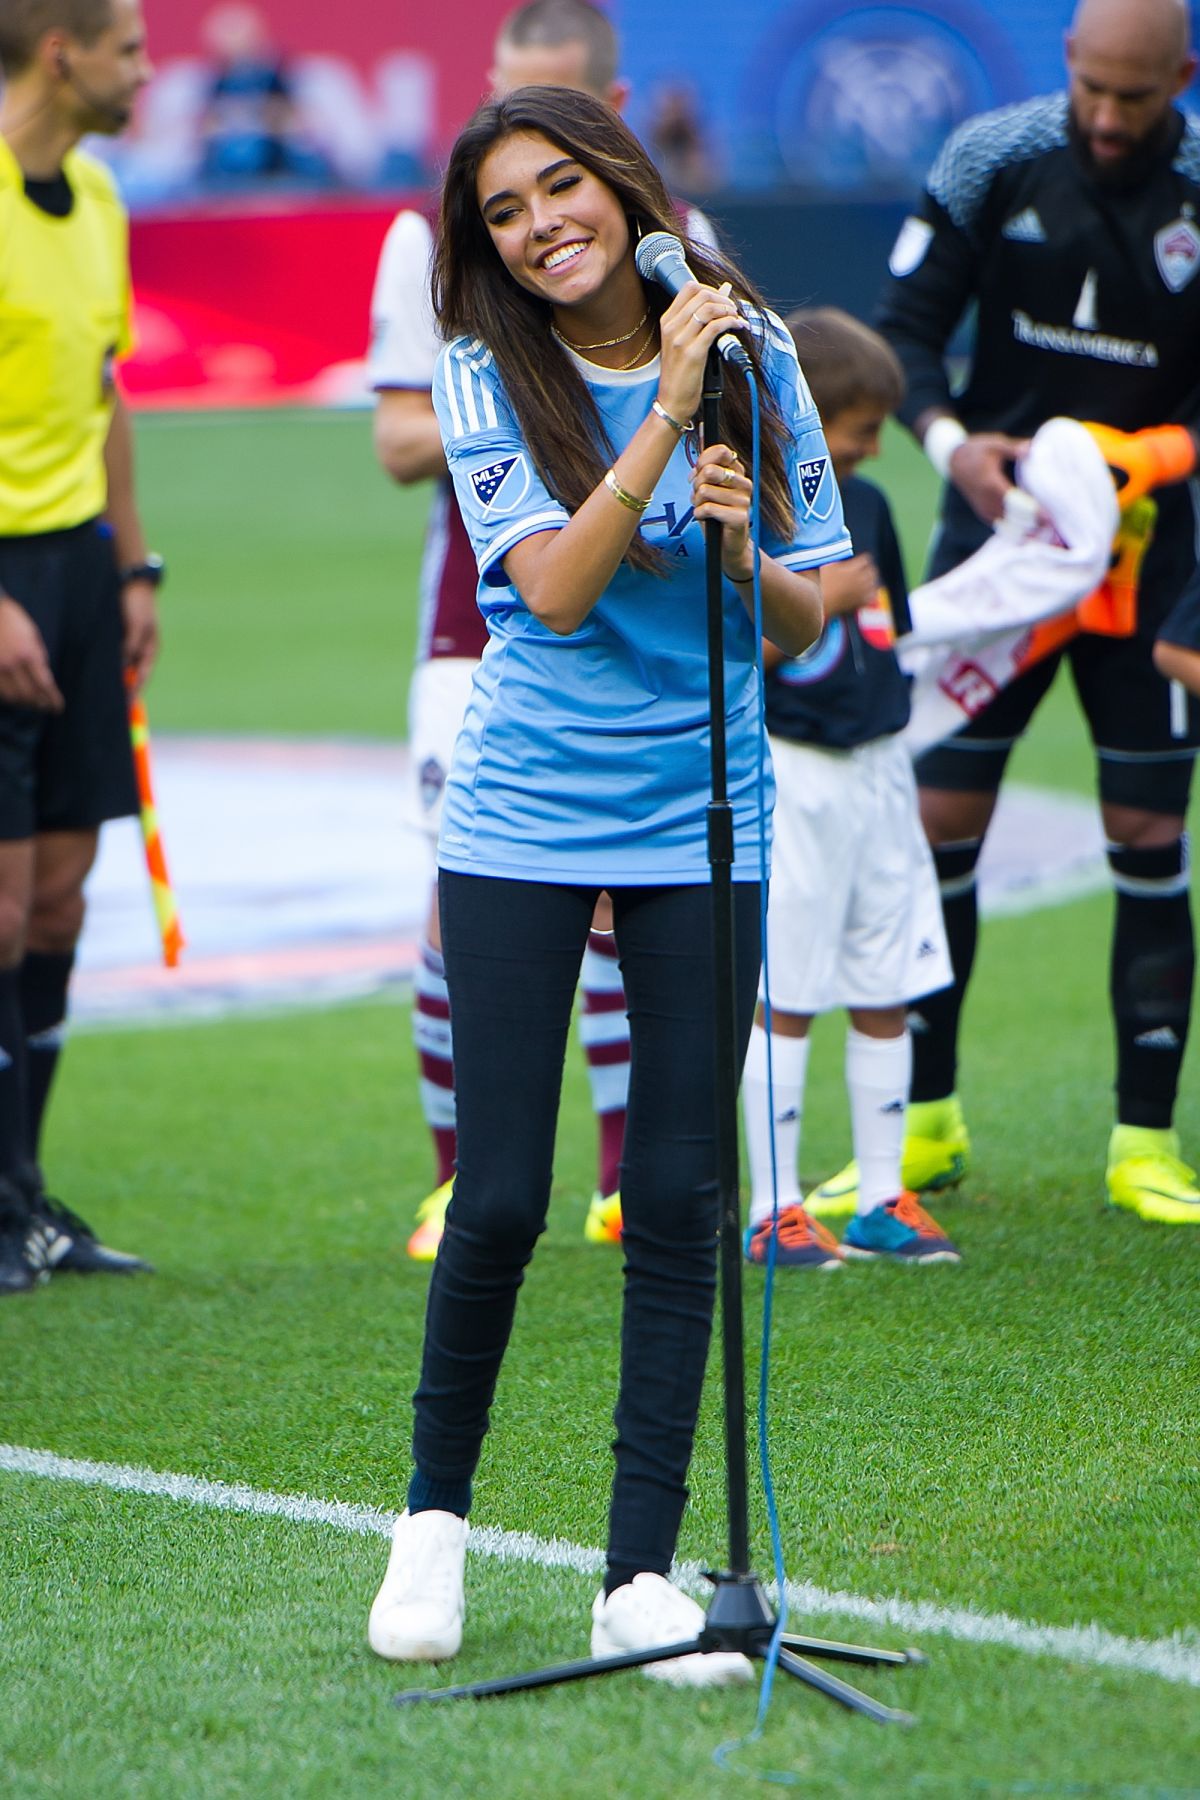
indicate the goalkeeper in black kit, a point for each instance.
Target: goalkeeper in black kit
{"x":1072,"y":223}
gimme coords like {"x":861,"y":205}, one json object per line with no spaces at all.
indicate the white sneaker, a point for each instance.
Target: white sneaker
{"x":417,"y":1615}
{"x":648,"y":1610}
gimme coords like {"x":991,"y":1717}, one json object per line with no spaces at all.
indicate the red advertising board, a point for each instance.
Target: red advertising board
{"x":264,"y":297}
{"x":254,"y":307}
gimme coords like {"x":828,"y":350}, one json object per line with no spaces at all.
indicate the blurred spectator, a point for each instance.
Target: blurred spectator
{"x":405,"y":84}
{"x":678,"y":141}
{"x":251,"y":126}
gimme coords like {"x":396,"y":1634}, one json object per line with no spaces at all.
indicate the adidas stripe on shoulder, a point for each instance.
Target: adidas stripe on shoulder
{"x":769,"y":328}
{"x":963,"y":172}
{"x":772,"y":333}
{"x":472,"y":384}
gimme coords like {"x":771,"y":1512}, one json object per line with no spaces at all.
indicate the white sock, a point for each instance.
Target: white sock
{"x":435,"y":1056}
{"x":878,"y":1077}
{"x":789,"y":1059}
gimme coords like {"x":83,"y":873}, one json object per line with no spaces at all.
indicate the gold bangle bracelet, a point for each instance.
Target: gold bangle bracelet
{"x":666,"y":417}
{"x":623,"y":495}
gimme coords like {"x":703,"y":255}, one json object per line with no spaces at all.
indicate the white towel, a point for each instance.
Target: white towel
{"x":971,"y":627}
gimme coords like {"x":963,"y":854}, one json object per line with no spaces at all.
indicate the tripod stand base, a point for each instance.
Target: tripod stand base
{"x":739,"y":1618}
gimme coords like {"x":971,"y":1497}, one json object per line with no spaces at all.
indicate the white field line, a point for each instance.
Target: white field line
{"x":1175,"y":1658}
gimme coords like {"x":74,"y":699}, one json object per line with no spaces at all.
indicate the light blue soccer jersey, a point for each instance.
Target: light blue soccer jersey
{"x":585,"y":758}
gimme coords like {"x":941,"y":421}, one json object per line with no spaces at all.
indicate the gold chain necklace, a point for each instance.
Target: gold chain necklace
{"x":639,"y":353}
{"x":605,"y":343}
{"x":618,"y":367}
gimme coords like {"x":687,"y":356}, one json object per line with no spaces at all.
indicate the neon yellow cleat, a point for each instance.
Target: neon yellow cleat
{"x":422,"y":1246}
{"x":836,"y":1198}
{"x":1146,"y":1176}
{"x":937,"y":1149}
{"x":937,"y":1152}
{"x":603,"y":1222}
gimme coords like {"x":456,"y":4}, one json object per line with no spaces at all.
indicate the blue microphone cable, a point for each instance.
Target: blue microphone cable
{"x":724,"y":1753}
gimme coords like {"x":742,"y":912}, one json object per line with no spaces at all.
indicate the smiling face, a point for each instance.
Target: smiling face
{"x":852,"y":435}
{"x":559,"y":230}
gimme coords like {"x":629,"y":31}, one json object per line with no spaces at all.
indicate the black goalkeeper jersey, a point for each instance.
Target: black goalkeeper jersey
{"x":1087,"y":295}
{"x":847,"y":688}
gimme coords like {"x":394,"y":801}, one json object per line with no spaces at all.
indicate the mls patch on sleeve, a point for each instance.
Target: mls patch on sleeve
{"x":811,"y":476}
{"x":500,"y":486}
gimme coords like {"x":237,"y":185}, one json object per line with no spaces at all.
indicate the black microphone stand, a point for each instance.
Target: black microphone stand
{"x":740,"y":1616}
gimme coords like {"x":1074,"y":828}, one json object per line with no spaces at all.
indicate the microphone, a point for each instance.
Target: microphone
{"x":660,"y":258}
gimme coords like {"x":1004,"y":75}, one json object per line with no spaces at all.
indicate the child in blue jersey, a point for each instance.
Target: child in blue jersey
{"x":854,"y":917}
{"x":565,"y":397}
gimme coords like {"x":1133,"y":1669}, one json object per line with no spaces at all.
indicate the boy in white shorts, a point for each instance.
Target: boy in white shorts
{"x":854,"y":919}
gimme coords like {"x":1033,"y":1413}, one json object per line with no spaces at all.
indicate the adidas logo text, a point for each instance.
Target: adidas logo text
{"x":1024,"y":228}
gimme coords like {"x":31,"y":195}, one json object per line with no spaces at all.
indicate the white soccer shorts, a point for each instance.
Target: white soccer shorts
{"x":437,"y":701}
{"x":854,"y":916}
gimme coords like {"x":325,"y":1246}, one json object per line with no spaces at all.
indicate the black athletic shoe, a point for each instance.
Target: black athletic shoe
{"x":23,"y":1244}
{"x":73,"y":1247}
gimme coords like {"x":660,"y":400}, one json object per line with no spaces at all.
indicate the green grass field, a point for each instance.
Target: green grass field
{"x":1011,"y":1444}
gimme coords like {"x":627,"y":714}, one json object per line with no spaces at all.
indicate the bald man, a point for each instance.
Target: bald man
{"x":1072,"y":223}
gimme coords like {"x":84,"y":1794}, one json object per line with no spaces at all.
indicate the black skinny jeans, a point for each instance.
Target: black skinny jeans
{"x":513,"y":951}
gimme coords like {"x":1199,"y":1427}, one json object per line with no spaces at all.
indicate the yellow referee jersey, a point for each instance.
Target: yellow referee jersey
{"x":64,"y":319}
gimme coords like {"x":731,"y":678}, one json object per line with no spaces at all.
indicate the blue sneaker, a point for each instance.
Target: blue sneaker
{"x":800,"y":1243}
{"x":901,"y":1230}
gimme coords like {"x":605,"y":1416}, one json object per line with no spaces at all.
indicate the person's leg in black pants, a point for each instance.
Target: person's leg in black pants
{"x":669,"y":1202}
{"x":513,"y":951}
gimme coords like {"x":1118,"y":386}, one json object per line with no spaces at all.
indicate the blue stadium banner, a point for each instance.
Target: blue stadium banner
{"x":839,"y":96}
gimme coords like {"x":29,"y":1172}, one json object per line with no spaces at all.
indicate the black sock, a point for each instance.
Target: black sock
{"x":44,"y":979}
{"x":934,"y":1020}
{"x":1151,"y":973}
{"x":13,"y":1154}
{"x":425,"y":1494}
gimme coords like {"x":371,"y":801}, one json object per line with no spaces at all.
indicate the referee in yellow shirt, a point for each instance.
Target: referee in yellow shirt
{"x":77,"y":585}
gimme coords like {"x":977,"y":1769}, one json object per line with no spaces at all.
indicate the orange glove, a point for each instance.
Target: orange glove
{"x":1048,"y":636}
{"x":1111,"y":609}
{"x":1143,"y":460}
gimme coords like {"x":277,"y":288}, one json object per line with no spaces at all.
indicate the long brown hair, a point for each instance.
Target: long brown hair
{"x":845,"y":363}
{"x":474,"y":295}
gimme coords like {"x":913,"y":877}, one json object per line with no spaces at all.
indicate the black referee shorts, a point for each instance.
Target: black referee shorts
{"x":1145,"y":730}
{"x":68,"y":771}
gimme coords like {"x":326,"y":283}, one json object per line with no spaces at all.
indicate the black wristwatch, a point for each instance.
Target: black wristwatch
{"x":153,"y":570}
